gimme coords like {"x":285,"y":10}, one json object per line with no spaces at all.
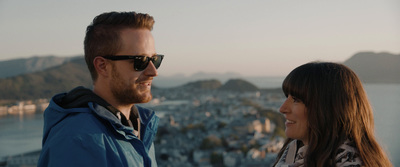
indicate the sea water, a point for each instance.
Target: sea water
{"x":385,"y":99}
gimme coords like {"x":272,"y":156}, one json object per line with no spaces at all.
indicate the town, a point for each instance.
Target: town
{"x":203,"y":127}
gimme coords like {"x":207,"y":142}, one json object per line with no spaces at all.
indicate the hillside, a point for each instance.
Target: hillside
{"x":204,"y":84}
{"x":15,"y":67}
{"x":45,"y":84}
{"x":71,"y":72}
{"x":376,"y":67}
{"x":62,"y":78}
{"x":238,"y":85}
{"x":181,"y":79}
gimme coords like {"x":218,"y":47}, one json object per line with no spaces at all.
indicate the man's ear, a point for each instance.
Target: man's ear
{"x":100,"y":64}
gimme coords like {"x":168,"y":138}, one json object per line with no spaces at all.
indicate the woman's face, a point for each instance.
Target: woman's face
{"x":294,"y":111}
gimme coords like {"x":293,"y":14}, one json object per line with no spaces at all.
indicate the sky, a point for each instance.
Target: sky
{"x":248,"y":37}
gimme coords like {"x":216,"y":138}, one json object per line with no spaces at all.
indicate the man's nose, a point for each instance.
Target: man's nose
{"x":150,"y":70}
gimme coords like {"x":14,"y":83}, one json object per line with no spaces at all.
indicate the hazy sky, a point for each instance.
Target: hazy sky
{"x":250,"y":37}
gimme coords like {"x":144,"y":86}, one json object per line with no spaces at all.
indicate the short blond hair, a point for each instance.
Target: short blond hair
{"x":102,"y":35}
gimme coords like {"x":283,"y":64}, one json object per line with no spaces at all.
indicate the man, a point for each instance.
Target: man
{"x":103,"y":127}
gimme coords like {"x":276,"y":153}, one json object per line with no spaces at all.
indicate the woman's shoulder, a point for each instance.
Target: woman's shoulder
{"x":348,"y":155}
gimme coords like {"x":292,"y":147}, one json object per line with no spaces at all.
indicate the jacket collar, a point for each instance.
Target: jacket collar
{"x":148,"y":121}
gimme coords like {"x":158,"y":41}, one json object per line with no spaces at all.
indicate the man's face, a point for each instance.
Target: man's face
{"x":128,"y":85}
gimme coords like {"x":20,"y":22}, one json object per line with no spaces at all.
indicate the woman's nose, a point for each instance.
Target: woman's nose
{"x":283,"y":108}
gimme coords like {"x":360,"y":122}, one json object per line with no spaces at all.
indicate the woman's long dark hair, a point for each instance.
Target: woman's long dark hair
{"x":337,"y":109}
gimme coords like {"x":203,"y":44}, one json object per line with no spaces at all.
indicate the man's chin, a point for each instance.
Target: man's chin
{"x":145,"y":99}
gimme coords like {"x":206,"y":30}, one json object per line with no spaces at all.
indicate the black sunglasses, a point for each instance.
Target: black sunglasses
{"x":140,"y":62}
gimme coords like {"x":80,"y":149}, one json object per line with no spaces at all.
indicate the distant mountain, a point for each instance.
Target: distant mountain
{"x":42,"y":77}
{"x":15,"y":67}
{"x":220,"y":76}
{"x":239,"y":85}
{"x":72,"y":73}
{"x":181,"y":79}
{"x":46,"y":83}
{"x":236,"y":85}
{"x":204,"y":84}
{"x":376,"y":67}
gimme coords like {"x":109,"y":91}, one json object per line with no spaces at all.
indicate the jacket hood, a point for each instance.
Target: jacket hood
{"x":64,"y":104}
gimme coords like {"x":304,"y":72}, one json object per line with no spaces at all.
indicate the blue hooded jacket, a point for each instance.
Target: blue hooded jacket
{"x":79,"y":130}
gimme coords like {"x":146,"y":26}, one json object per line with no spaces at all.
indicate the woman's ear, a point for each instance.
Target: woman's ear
{"x":100,"y":64}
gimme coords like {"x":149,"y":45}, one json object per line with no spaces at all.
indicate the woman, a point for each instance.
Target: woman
{"x":329,"y":120}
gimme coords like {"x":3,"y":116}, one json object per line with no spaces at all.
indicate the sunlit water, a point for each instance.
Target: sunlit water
{"x":23,"y":133}
{"x":20,"y":133}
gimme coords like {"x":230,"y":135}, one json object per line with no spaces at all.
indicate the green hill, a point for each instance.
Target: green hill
{"x":238,"y":85}
{"x":45,"y":84}
{"x":204,"y":84}
{"x":10,"y":68}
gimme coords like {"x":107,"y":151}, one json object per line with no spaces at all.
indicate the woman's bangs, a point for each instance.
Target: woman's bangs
{"x":294,"y":85}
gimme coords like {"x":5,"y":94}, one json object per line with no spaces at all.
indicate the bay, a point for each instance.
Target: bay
{"x":385,"y":100}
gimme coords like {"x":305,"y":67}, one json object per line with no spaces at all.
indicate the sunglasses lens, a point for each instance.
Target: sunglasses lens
{"x":157,"y":61}
{"x":141,"y":63}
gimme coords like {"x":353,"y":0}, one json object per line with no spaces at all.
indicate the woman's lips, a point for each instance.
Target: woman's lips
{"x":289,"y":122}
